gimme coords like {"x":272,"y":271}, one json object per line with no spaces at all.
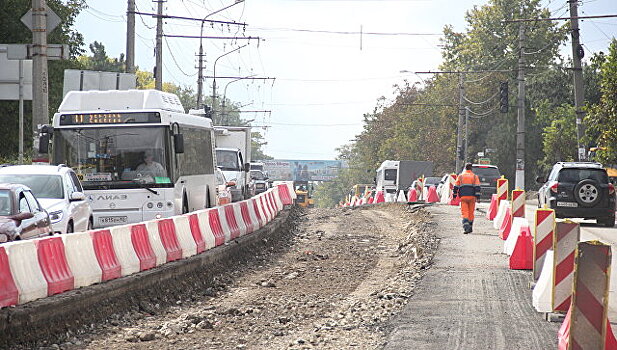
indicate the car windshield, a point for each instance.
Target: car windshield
{"x":113,"y":157}
{"x":43,"y":186}
{"x":576,"y":175}
{"x":227,"y":160}
{"x":390,"y":175}
{"x":431,"y":180}
{"x":486,"y":172}
{"x":257,"y":175}
{"x":5,"y":203}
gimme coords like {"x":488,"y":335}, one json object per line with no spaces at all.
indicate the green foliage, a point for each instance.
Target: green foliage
{"x":99,"y":61}
{"x":601,"y":119}
{"x":559,"y":136}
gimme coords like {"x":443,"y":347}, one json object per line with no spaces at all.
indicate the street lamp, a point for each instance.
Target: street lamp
{"x":225,"y":96}
{"x":214,"y":77}
{"x":201,"y":51}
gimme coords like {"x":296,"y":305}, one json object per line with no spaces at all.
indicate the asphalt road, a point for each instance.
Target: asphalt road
{"x":590,"y":231}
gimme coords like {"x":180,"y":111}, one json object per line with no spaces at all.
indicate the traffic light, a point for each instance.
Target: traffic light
{"x":503,"y":97}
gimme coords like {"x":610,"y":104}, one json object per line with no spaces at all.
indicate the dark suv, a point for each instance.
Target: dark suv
{"x":579,"y":190}
{"x":488,"y":175}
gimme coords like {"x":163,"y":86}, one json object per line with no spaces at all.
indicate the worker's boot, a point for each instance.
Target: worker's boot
{"x":466,"y":226}
{"x":470,"y":226}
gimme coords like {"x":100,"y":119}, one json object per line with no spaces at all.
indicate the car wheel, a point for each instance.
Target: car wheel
{"x":607,"y":221}
{"x":69,"y":227}
{"x":587,"y":193}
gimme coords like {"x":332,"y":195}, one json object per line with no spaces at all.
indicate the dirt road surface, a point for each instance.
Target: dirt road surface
{"x":342,"y":275}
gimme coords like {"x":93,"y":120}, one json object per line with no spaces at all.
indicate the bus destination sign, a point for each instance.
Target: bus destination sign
{"x":110,"y":118}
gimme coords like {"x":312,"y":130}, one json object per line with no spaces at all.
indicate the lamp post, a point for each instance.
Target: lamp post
{"x":225,"y":96}
{"x":214,"y":78}
{"x":201,"y":52}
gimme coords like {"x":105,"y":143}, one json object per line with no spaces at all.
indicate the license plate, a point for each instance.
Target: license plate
{"x":113,"y":220}
{"x":484,"y":184}
{"x":567,"y":204}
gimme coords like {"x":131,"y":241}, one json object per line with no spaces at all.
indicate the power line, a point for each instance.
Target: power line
{"x":555,"y":18}
{"x":191,"y":18}
{"x":322,"y":31}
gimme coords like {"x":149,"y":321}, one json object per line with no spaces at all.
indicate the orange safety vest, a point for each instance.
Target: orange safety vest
{"x":468,"y":184}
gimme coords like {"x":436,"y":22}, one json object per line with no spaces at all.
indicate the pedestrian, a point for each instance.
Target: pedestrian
{"x":467,"y":188}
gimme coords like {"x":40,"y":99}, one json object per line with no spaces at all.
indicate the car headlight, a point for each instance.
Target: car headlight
{"x":56,"y":216}
{"x":4,"y":237}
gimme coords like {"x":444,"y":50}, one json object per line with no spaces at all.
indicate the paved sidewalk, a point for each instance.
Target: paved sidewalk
{"x":469,"y":299}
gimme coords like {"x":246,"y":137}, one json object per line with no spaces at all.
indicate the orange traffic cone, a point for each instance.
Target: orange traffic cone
{"x":506,"y":225}
{"x":522,"y":256}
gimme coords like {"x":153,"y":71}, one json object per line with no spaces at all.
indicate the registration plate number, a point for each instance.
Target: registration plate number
{"x":567,"y":204}
{"x":105,"y":220}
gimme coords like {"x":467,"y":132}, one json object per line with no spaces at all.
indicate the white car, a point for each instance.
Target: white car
{"x":58,"y":190}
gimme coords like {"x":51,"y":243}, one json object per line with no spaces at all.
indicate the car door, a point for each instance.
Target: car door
{"x":41,"y":218}
{"x":28,"y":226}
{"x":80,"y":209}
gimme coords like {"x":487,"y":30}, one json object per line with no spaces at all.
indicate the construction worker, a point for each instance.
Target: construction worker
{"x":467,"y":187}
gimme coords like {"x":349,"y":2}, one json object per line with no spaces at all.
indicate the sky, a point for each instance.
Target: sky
{"x":327,"y":74}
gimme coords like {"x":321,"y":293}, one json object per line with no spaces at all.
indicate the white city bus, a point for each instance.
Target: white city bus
{"x":138,"y":155}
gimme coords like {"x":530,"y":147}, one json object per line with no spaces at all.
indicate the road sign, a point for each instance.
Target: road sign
{"x":484,"y":161}
{"x":52,"y":19}
{"x":24,"y":51}
{"x":9,"y":77}
{"x":84,"y":80}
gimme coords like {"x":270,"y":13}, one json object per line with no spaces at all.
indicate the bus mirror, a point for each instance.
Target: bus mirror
{"x":44,"y":144}
{"x":179,"y":143}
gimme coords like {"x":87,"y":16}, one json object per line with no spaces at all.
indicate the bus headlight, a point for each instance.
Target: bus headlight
{"x":159,"y":205}
{"x":169,"y":204}
{"x":150,"y":205}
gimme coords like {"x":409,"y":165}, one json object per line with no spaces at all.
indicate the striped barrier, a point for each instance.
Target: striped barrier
{"x":54,"y":266}
{"x":522,"y":253}
{"x":588,"y":321}
{"x":284,"y":194}
{"x":502,"y":190}
{"x":506,"y":225}
{"x":431,"y":196}
{"x":26,"y":271}
{"x":492,"y":208}
{"x":143,"y":247}
{"x":38,"y":268}
{"x":518,"y":204}
{"x":412,"y":195}
{"x":184,"y":235}
{"x":379,"y":197}
{"x":197,"y":232}
{"x":543,"y":238}
{"x":9,"y":295}
{"x":80,"y":256}
{"x":565,"y":241}
{"x":453,"y":200}
{"x":516,"y":229}
{"x":106,"y":254}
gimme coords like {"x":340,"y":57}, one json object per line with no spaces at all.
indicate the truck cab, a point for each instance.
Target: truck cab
{"x":233,"y":157}
{"x":387,"y":176}
{"x":304,"y":194}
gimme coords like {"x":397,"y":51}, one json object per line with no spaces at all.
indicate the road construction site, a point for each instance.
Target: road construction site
{"x":388,"y":276}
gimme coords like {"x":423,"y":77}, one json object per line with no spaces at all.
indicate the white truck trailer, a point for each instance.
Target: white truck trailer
{"x":233,"y":157}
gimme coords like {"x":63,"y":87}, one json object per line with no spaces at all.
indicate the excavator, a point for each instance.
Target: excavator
{"x":304,"y":194}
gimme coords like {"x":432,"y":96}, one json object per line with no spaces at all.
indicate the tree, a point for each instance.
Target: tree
{"x":601,"y":119}
{"x":99,"y":61}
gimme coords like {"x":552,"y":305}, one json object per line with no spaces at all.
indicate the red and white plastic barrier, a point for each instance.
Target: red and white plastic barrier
{"x":412,"y":195}
{"x":492,"y":208}
{"x":9,"y":295}
{"x":401,"y":197}
{"x":502,"y":190}
{"x":26,"y":271}
{"x":522,"y":254}
{"x":81,"y":258}
{"x":123,"y":247}
{"x":431,"y":196}
{"x":543,"y":238}
{"x":516,"y":229}
{"x":503,"y":208}
{"x":518,"y":204}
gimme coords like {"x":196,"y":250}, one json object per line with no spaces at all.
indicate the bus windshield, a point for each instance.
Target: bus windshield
{"x":112,"y":157}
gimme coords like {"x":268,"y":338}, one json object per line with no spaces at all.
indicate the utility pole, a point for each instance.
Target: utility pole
{"x":461,"y":119}
{"x":200,"y":75}
{"x":466,"y":154}
{"x":579,"y":92}
{"x":158,"y":73}
{"x":40,"y":103}
{"x":520,"y":127}
{"x":130,"y":37}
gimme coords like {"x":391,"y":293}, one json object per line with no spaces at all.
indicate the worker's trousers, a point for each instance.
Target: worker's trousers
{"x":468,"y":206}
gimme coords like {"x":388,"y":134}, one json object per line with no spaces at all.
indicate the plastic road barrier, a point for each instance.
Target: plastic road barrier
{"x":401,"y":197}
{"x":184,"y":235}
{"x":266,"y":210}
{"x":239,"y":218}
{"x":379,"y":197}
{"x":432,"y":195}
{"x":517,"y":227}
{"x":284,"y":193}
{"x":502,"y":190}
{"x":196,"y":232}
{"x":79,"y":250}
{"x":248,"y":217}
{"x":565,"y":241}
{"x":167,"y":231}
{"x":276,"y":198}
{"x":543,"y":291}
{"x":214,"y":219}
{"x":502,"y":209}
{"x":518,"y":204}
{"x":142,"y":247}
{"x":54,"y":266}
{"x":258,"y":213}
{"x":123,"y":247}
{"x":522,"y":255}
{"x":492,"y":209}
{"x":369,"y":200}
{"x":232,"y":223}
{"x":590,"y":296}
{"x":152,"y":227}
{"x":412,"y":195}
{"x":9,"y":295}
{"x":506,"y":225}
{"x":563,"y":337}
{"x":106,"y":254}
{"x":543,"y":238}
{"x":26,"y":271}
